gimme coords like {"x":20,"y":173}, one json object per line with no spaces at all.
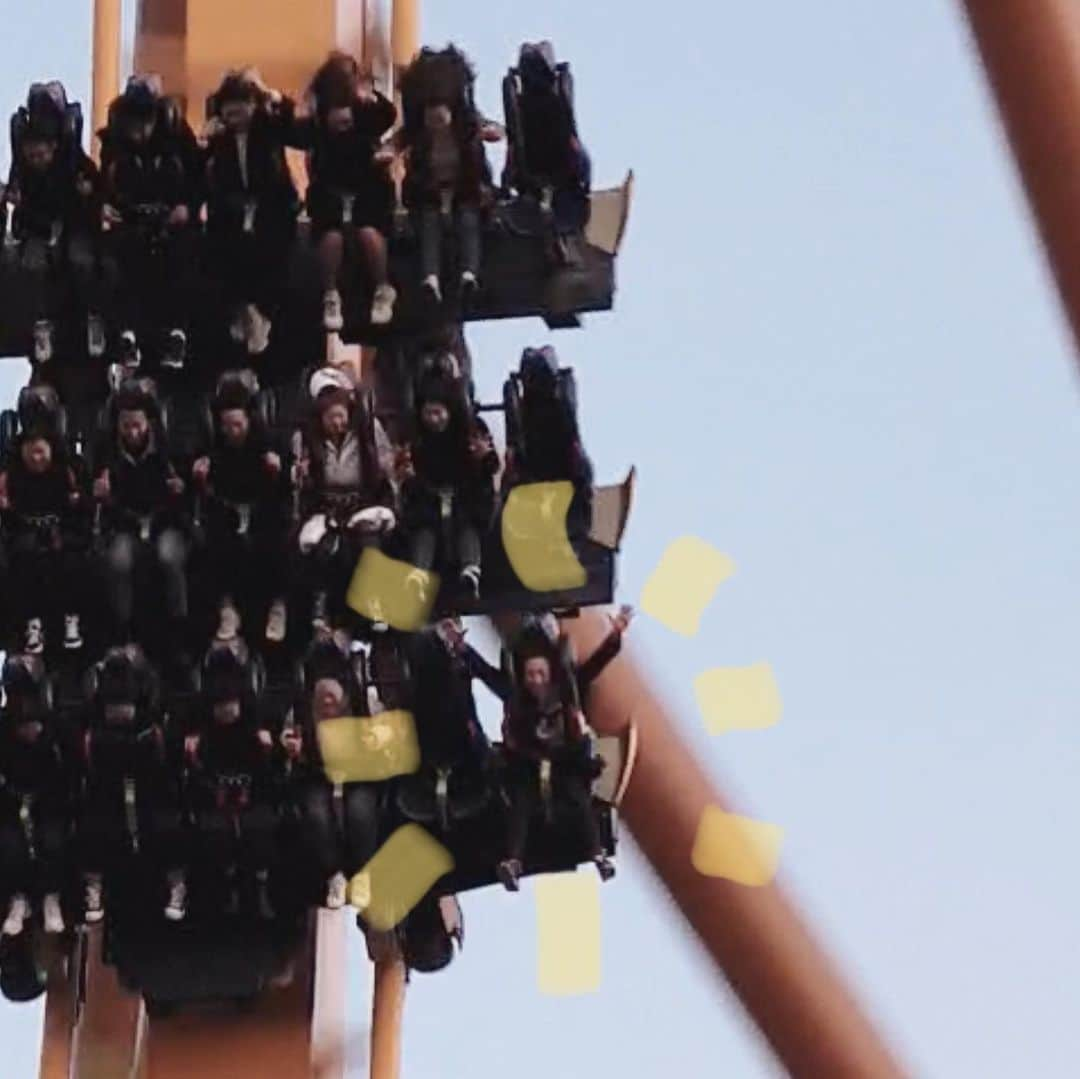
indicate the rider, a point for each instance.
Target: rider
{"x":35,"y":802}
{"x":350,"y":194}
{"x":43,"y":557}
{"x":234,"y":761}
{"x":342,"y":818}
{"x":452,"y":457}
{"x":241,"y":475}
{"x":346,"y":498}
{"x":139,"y":488}
{"x":252,"y":202}
{"x":545,"y":722}
{"x":448,"y":177}
{"x":55,"y":190}
{"x":132,"y":799}
{"x":153,"y":173}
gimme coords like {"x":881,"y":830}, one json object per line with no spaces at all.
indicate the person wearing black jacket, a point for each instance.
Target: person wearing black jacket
{"x":545,"y":721}
{"x":350,"y":196}
{"x":35,"y":799}
{"x":131,"y":804}
{"x":240,"y":481}
{"x":154,"y":189}
{"x":44,"y":549}
{"x":234,"y":788}
{"x":55,"y":191}
{"x":139,"y":490}
{"x":452,"y":456}
{"x":252,"y":203}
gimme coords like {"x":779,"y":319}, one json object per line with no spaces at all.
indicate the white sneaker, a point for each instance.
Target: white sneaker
{"x":431,"y":283}
{"x":229,"y":623}
{"x":35,"y":637}
{"x":130,"y":356}
{"x":337,"y":891}
{"x":43,"y":341}
{"x":382,"y":307}
{"x":92,"y":899}
{"x":470,"y":578}
{"x":333,"y":319}
{"x":258,"y":338}
{"x":417,"y":580}
{"x":175,"y":350}
{"x":18,"y":912}
{"x":96,"y":341}
{"x":176,"y":908}
{"x":51,"y":914}
{"x":72,"y":633}
{"x":468,"y":282}
{"x":277,"y":622}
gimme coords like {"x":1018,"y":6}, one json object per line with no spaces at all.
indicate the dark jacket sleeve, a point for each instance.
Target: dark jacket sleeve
{"x":496,"y":680}
{"x":300,"y":132}
{"x":593,"y":667}
{"x":375,"y":118}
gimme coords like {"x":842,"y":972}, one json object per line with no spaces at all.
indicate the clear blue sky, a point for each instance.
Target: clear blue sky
{"x":836,"y":356}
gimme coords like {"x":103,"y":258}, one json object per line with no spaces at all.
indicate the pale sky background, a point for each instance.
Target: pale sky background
{"x":836,"y":356}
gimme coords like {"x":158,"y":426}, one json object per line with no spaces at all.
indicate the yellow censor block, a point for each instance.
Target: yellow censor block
{"x":393,"y":592}
{"x":399,"y":875}
{"x":736,"y":848}
{"x":568,"y":934}
{"x":738,"y":698}
{"x":369,"y":749}
{"x":534,"y":537}
{"x":684,"y":583}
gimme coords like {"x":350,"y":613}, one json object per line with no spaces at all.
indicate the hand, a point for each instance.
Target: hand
{"x":292,"y":742}
{"x":179,"y":217}
{"x":365,"y":89}
{"x":191,"y":746}
{"x":110,"y":215}
{"x":300,"y":472}
{"x":621,"y":621}
{"x":480,"y":446}
{"x":272,"y":462}
{"x":102,"y":487}
{"x":84,"y":187}
{"x":454,"y":635}
{"x":492,"y":132}
{"x":5,"y":501}
{"x":200,"y":471}
{"x":403,"y":463}
{"x":175,"y":485}
{"x":385,"y":155}
{"x":265,"y":739}
{"x":212,"y":128}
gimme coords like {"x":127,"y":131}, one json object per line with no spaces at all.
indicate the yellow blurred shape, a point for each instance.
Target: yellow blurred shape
{"x":684,"y":583}
{"x":534,"y":537}
{"x":369,"y":749}
{"x":736,"y":848}
{"x":399,"y":875}
{"x":568,"y":933}
{"x":393,"y":592}
{"x":738,"y":698}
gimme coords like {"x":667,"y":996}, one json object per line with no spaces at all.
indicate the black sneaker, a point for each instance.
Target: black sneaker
{"x":604,"y":867}
{"x":175,"y":350}
{"x":509,"y":874}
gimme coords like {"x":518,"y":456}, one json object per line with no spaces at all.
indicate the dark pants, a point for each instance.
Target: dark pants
{"x":158,"y":277}
{"x":39,"y":582}
{"x":344,"y":837}
{"x":170,"y":550}
{"x":466,"y":223}
{"x":571,"y":792}
{"x":33,"y":863}
{"x":425,"y":543}
{"x":252,"y":267}
{"x":253,"y":569}
{"x":239,"y":839}
{"x":106,"y":838}
{"x":329,"y":571}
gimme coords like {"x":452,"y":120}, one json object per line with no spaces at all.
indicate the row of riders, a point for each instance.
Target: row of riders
{"x":123,"y":245}
{"x":254,"y":534}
